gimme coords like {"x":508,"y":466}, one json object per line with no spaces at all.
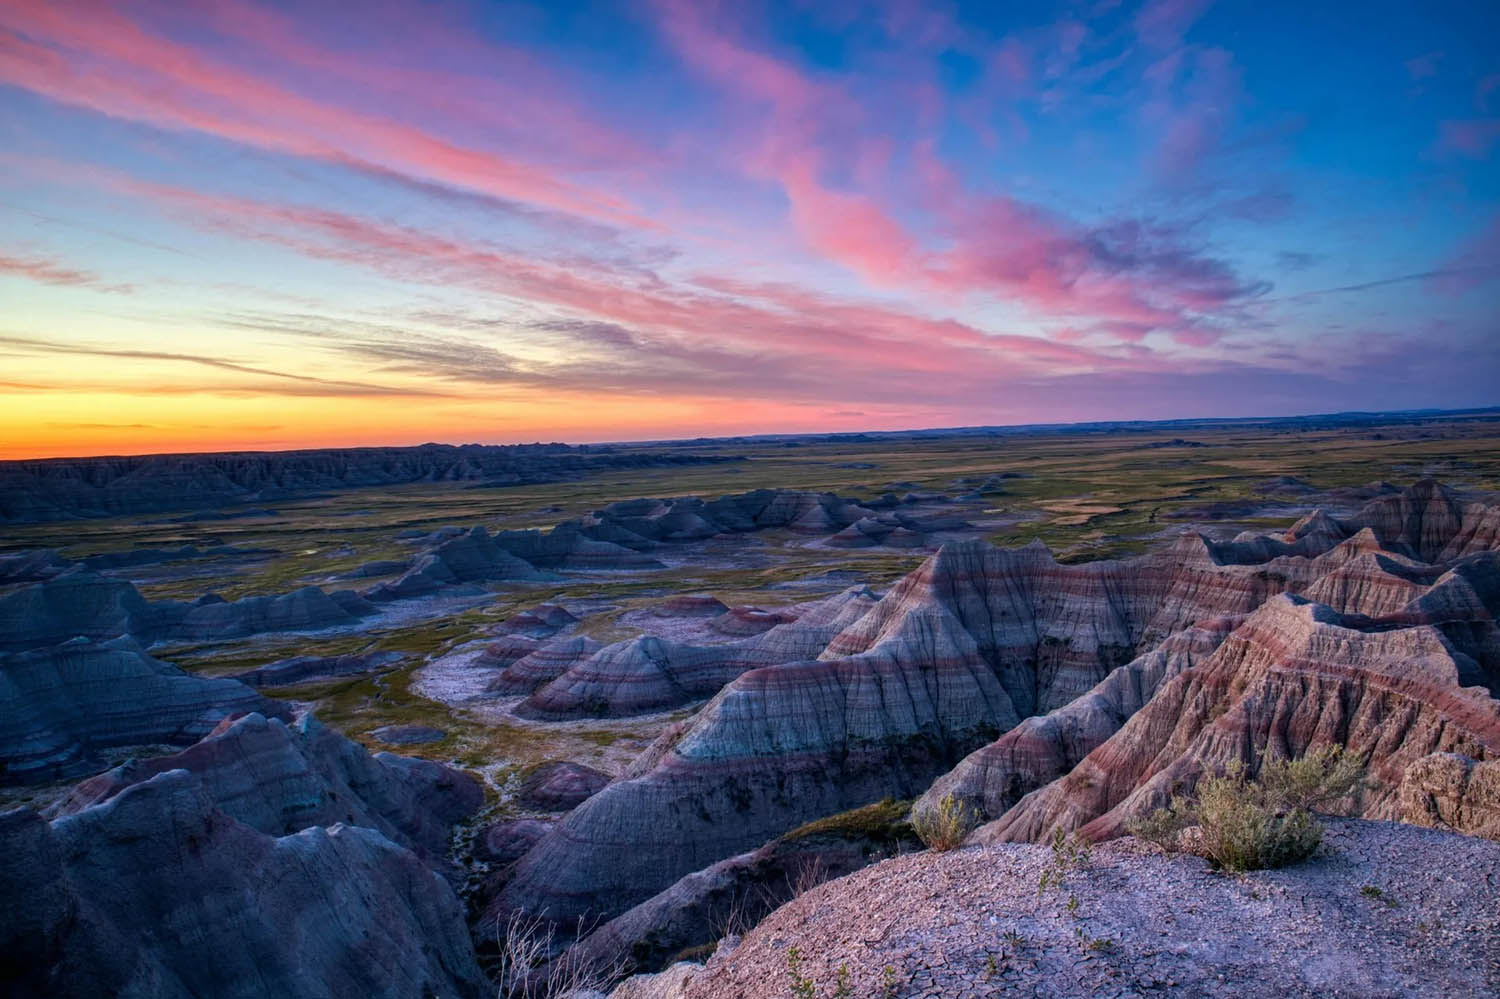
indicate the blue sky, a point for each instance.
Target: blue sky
{"x":247,"y":224}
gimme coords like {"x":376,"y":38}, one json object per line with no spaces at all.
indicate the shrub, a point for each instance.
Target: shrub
{"x":946,"y":826}
{"x":1241,"y":828}
{"x":1164,"y":826}
{"x":1247,"y":825}
{"x":1322,"y":776}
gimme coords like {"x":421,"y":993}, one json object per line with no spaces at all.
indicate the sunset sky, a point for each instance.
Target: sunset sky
{"x":233,"y":224}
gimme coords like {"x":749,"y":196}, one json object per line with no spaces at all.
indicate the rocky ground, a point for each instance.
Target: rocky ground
{"x":1385,"y":910}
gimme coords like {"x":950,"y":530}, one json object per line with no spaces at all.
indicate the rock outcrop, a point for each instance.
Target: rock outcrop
{"x":733,"y":895}
{"x":1045,"y":747}
{"x":559,"y":785}
{"x":1190,"y":657}
{"x":1295,"y":676}
{"x":544,"y":662}
{"x":647,"y":673}
{"x":470,"y":557}
{"x":280,"y":778}
{"x":302,"y":669}
{"x":1454,"y":792}
{"x":60,"y":706}
{"x":71,"y":605}
{"x":1388,"y":910}
{"x":157,"y":892}
{"x":80,"y":603}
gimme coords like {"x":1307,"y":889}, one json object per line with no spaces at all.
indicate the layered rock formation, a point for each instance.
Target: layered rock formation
{"x":1454,"y":792}
{"x":558,"y":786}
{"x":1219,"y":662}
{"x":280,"y":778}
{"x":82,"y":603}
{"x":158,"y":892}
{"x":301,"y":669}
{"x":733,"y":895}
{"x":1295,"y":676}
{"x":648,"y":674}
{"x":471,"y":557}
{"x":60,"y":706}
{"x":530,"y":664}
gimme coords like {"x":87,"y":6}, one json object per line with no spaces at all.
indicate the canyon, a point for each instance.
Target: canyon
{"x":643,"y":725}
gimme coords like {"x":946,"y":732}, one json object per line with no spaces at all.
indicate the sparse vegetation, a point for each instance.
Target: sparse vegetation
{"x":802,"y":986}
{"x":946,"y":826}
{"x":1069,"y":853}
{"x":1246,"y":824}
{"x":527,"y":969}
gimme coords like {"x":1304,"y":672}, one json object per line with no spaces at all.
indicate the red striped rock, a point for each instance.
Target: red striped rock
{"x":543,"y":663}
{"x":1220,"y":662}
{"x":1294,"y":677}
{"x":646,"y":674}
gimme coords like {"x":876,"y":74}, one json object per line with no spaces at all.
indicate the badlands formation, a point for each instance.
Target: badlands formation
{"x":172,"y":815}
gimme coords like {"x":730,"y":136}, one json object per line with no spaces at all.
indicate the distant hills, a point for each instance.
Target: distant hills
{"x":46,"y":489}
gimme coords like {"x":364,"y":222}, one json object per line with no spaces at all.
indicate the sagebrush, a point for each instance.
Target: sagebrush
{"x":946,"y":826}
{"x":1246,"y":824}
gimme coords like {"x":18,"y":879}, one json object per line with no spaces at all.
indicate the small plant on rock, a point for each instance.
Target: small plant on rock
{"x":1069,"y":853}
{"x":802,"y":986}
{"x":946,"y":826}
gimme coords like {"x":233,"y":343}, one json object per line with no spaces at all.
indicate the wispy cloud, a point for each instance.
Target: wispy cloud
{"x":302,"y":384}
{"x":49,"y":271}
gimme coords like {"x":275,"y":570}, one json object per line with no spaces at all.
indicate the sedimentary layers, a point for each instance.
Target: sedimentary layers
{"x":1295,"y":676}
{"x":63,"y":704}
{"x":156,"y":891}
{"x":647,"y":674}
{"x":1185,"y":658}
{"x":281,"y":777}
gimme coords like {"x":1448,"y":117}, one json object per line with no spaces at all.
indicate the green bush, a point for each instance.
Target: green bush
{"x":946,"y":826}
{"x":1241,"y":828}
{"x":1245,"y":824}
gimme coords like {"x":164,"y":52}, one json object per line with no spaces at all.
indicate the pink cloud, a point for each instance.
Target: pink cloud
{"x":1473,"y":138}
{"x":1475,"y":263}
{"x":1423,"y":66}
{"x":111,"y":64}
{"x":48,"y":271}
{"x":988,"y":245}
{"x":1161,"y":24}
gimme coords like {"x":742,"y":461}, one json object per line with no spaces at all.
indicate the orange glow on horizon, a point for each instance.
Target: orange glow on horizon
{"x":54,"y":424}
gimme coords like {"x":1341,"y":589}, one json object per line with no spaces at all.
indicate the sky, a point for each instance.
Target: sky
{"x":235,"y":224}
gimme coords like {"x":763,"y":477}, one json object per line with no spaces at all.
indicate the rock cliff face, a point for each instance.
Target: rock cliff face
{"x":648,"y":674}
{"x":60,"y":706}
{"x":81,"y":603}
{"x":1293,"y":677}
{"x":1045,"y":747}
{"x":158,"y":892}
{"x":281,"y":778}
{"x":1133,"y":675}
{"x":68,"y":488}
{"x":1454,"y":792}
